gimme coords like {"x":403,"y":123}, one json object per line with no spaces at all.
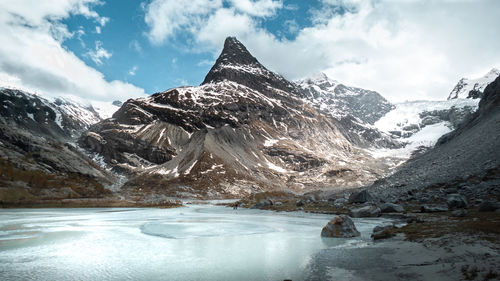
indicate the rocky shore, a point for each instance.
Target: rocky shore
{"x":451,"y":237}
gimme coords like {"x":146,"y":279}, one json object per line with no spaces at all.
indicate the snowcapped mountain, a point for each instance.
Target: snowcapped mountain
{"x":466,"y":158}
{"x":38,"y":157}
{"x":340,"y":100}
{"x":354,"y":109}
{"x":61,"y":116}
{"x":421,"y":123}
{"x":243,"y":129}
{"x":473,"y":88}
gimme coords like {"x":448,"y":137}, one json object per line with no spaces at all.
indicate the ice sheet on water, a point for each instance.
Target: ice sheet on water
{"x":213,"y":243}
{"x":205,"y":228}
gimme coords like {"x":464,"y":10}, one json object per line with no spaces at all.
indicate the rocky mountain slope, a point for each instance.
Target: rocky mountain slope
{"x":243,"y":129}
{"x":355,"y":109}
{"x":341,"y":101}
{"x":473,"y":88}
{"x":39,"y":159}
{"x":468,"y":157}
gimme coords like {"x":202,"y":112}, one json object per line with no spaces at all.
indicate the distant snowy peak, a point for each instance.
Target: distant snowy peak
{"x":106,"y":109}
{"x":83,"y":113}
{"x":64,"y":116}
{"x":318,"y":84}
{"x":473,"y":88}
{"x":341,"y":100}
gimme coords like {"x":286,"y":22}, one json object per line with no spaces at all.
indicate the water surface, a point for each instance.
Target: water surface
{"x":198,"y":242}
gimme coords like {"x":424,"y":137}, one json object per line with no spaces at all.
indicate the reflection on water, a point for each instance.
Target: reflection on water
{"x":192,"y":243}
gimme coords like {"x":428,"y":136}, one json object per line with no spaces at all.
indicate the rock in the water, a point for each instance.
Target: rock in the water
{"x":489,"y":206}
{"x":340,"y":227}
{"x":366,"y":211}
{"x":379,"y":228}
{"x":382,"y":232}
{"x":459,"y":213}
{"x":391,"y":208}
{"x":433,"y":209}
{"x":278,"y":203}
{"x":360,"y":197}
{"x":456,"y":201}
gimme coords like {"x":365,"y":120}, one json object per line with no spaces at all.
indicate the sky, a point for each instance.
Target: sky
{"x":119,"y":49}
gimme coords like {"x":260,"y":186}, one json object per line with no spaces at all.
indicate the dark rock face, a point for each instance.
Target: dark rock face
{"x":360,"y":197}
{"x":340,"y":227}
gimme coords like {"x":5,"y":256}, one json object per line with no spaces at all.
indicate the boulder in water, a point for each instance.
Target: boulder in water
{"x":340,"y":227}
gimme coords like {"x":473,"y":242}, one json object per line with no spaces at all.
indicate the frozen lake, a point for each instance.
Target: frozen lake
{"x":198,"y":242}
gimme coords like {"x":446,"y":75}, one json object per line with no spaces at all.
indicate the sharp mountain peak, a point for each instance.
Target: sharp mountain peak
{"x":235,"y":63}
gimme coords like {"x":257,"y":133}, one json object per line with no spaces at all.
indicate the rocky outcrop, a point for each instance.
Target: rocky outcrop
{"x":340,"y":227}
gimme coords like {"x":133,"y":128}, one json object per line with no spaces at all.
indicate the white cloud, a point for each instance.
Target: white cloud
{"x":133,"y":70}
{"x":32,"y":56}
{"x":98,"y":54}
{"x":411,"y":49}
{"x":166,"y":17}
{"x":259,"y":8}
{"x":291,"y":26}
{"x":102,"y":21}
{"x":134,"y":45}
